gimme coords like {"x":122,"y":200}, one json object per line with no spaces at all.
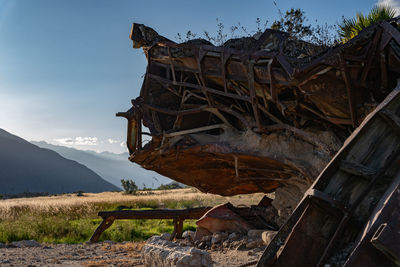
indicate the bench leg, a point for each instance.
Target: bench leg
{"x":178,"y":228}
{"x":106,"y":223}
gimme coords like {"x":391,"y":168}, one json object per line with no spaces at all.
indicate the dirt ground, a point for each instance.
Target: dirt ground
{"x":103,"y":254}
{"x":100,"y":254}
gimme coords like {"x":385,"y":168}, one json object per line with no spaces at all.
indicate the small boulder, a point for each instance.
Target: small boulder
{"x":241,"y":245}
{"x":202,"y":245}
{"x":255,"y":234}
{"x":267,"y":236}
{"x":200,"y":233}
{"x":2,"y":245}
{"x":188,"y":235}
{"x":254,"y":244}
{"x":218,"y":238}
{"x":206,"y":238}
{"x":166,"y":236}
{"x":233,"y":237}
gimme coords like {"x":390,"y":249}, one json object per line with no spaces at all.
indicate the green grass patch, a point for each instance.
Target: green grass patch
{"x":71,"y":219}
{"x":76,"y":225}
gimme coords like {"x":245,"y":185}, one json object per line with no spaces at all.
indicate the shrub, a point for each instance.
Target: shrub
{"x":173,"y":185}
{"x":129,"y":186}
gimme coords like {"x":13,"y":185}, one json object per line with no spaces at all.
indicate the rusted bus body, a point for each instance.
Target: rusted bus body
{"x":255,"y":116}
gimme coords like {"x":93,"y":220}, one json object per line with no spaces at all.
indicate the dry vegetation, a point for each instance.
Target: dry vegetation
{"x":90,"y":203}
{"x":72,"y":219}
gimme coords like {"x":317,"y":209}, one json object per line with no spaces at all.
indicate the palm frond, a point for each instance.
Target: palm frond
{"x":349,"y":28}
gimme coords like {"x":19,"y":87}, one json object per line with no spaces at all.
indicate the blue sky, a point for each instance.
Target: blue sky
{"x":67,"y":66}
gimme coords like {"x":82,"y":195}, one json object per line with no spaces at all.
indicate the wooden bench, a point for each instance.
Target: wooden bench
{"x":178,"y":216}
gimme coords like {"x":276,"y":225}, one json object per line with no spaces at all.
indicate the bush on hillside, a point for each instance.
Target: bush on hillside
{"x":129,"y":186}
{"x":173,"y":185}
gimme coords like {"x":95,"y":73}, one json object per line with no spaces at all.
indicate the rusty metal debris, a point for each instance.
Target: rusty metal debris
{"x":268,"y":114}
{"x":351,"y":214}
{"x":259,"y":115}
{"x":228,"y":218}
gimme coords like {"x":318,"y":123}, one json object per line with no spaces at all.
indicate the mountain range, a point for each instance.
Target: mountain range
{"x":112,"y":167}
{"x":25,"y":167}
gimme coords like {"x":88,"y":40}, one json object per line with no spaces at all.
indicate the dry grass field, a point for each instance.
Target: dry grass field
{"x":72,"y":219}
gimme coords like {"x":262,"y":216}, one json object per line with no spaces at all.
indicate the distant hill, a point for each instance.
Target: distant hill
{"x":25,"y":167}
{"x":112,"y":167}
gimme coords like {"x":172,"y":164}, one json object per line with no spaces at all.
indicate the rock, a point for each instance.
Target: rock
{"x":254,"y":244}
{"x":25,"y":244}
{"x":2,"y":245}
{"x":241,"y":245}
{"x":185,"y":242}
{"x":201,"y":232}
{"x":160,"y":252}
{"x":109,"y":242}
{"x":287,"y":197}
{"x":218,"y":238}
{"x":226,"y":243}
{"x":255,"y":234}
{"x":166,"y":236}
{"x":188,"y":235}
{"x":267,"y":236}
{"x":206,"y":238}
{"x":233,"y":237}
{"x":202,"y":245}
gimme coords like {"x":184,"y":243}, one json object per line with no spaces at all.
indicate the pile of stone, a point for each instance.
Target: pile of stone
{"x":159,"y":251}
{"x":221,"y":229}
{"x":254,"y":238}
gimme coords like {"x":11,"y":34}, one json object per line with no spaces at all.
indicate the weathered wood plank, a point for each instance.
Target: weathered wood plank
{"x":357,"y":169}
{"x":392,"y":119}
{"x":193,"y":213}
{"x":319,"y":229}
{"x":177,"y":215}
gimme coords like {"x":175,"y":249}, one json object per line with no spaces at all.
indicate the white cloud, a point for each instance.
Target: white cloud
{"x":86,"y":141}
{"x":112,"y":141}
{"x":393,"y":3}
{"x":65,"y":141}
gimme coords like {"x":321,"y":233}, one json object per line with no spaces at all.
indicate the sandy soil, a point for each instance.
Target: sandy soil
{"x":104,"y":254}
{"x":232,"y":257}
{"x":100,"y":254}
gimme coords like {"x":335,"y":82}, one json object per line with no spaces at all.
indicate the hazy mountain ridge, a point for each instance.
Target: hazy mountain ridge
{"x":111,"y":166}
{"x":25,"y":167}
